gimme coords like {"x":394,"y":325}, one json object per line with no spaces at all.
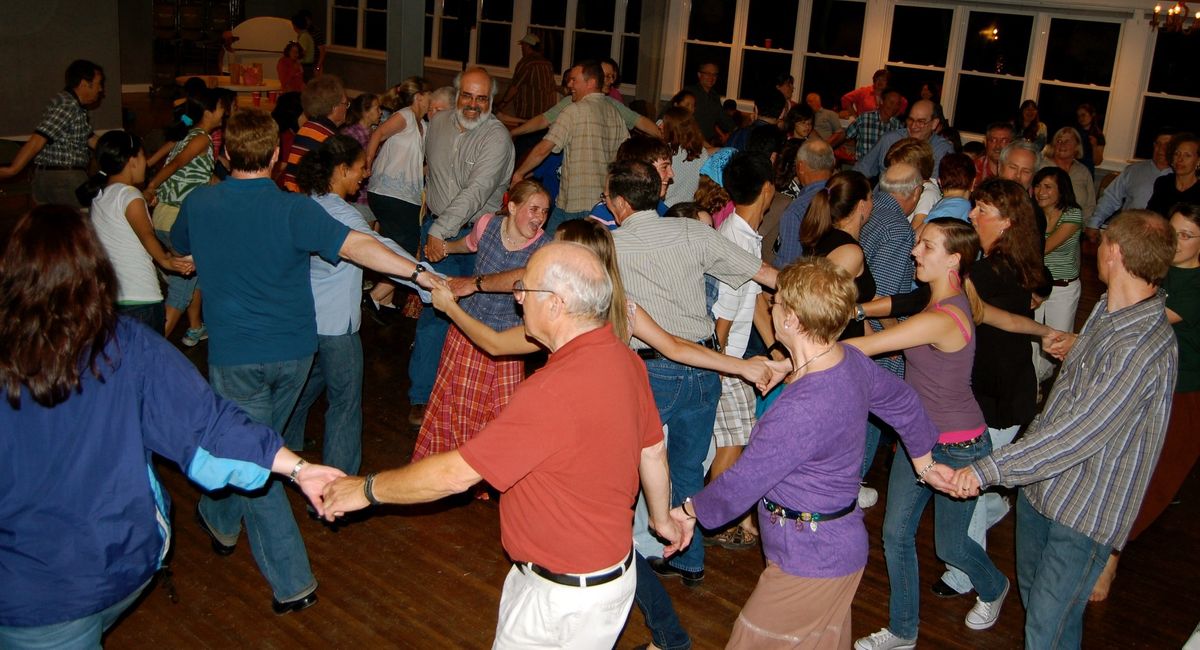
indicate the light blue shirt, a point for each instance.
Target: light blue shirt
{"x":871,"y":165}
{"x":1128,"y":191}
{"x":337,"y":288}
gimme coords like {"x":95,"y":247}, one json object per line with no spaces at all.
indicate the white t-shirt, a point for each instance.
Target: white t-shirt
{"x":398,"y":170}
{"x":737,"y":305}
{"x":930,"y":195}
{"x":137,"y":281}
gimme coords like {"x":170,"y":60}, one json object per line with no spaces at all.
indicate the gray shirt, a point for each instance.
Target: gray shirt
{"x":468,"y":171}
{"x":663,"y":262}
{"x":826,"y":123}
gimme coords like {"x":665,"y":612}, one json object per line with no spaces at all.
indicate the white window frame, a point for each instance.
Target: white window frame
{"x":954,"y":49}
{"x":357,"y":49}
{"x":1041,"y":27}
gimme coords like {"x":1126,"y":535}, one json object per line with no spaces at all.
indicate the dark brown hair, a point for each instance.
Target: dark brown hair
{"x":57,"y":305}
{"x":1019,"y":248}
{"x":839,"y":198}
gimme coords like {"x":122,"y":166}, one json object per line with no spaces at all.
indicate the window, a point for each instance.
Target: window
{"x":548,"y":19}
{"x":918,"y":49}
{"x":360,"y":24}
{"x":1172,"y":95}
{"x":494,"y":40}
{"x":1080,"y":55}
{"x":992,"y":74}
{"x":834,"y":45}
{"x":629,"y":42}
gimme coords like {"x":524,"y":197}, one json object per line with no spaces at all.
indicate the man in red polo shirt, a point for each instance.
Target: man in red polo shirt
{"x":567,"y":458}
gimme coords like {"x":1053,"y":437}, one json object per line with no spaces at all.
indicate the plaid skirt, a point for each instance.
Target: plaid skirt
{"x":470,"y":390}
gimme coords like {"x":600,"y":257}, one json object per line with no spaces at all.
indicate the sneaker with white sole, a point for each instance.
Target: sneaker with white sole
{"x":984,"y":615}
{"x":192,"y":337}
{"x":884,"y":640}
{"x":867,"y":496}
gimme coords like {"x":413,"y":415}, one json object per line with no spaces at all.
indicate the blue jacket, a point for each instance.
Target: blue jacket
{"x":83,"y":518}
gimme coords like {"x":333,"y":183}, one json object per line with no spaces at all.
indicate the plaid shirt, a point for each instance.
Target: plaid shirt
{"x":866,"y":131}
{"x":67,"y":128}
{"x":1087,"y":459}
{"x":588,"y":134}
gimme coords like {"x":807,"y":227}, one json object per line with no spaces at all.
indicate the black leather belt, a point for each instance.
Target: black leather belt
{"x":60,"y":168}
{"x":966,"y":443}
{"x":573,"y":580}
{"x":650,"y":354}
{"x":1064,"y":283}
{"x":779,"y":513}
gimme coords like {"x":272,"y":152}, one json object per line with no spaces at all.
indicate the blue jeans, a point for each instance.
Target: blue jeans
{"x":559,"y":216}
{"x":338,"y":372}
{"x":432,"y":325}
{"x":83,"y":633}
{"x":657,"y":608}
{"x":906,"y":501}
{"x":687,"y":403}
{"x":1056,"y":570}
{"x":179,"y":288}
{"x":267,"y":392}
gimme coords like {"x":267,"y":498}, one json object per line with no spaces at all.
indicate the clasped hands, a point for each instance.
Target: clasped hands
{"x":960,"y":484}
{"x":1057,"y":344}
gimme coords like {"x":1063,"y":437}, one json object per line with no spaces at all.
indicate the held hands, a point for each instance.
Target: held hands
{"x":313,"y":480}
{"x":780,"y":369}
{"x":443,"y":295}
{"x":461,"y":286}
{"x":435,"y":249}
{"x":344,"y":495}
{"x":183,"y":265}
{"x":757,"y":371}
{"x":678,"y":530}
{"x":966,"y":483}
{"x":151,"y":197}
{"x":941,"y":478}
{"x":1058,"y":344}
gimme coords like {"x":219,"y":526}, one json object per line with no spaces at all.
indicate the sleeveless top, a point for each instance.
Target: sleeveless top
{"x":198,"y":171}
{"x":398,"y":168}
{"x":498,"y":310}
{"x":865,"y":283}
{"x":943,"y":379}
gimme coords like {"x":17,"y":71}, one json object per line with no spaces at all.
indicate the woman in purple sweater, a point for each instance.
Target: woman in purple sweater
{"x":802,"y":466}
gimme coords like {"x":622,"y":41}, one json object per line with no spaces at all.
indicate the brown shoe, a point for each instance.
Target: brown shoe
{"x":416,"y":415}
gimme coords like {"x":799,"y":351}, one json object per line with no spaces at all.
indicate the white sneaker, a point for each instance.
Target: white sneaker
{"x":867,"y":496}
{"x":884,"y":640}
{"x":984,"y":615}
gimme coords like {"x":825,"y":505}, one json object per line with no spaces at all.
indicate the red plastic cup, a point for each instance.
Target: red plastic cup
{"x":767,"y":43}
{"x":256,"y":98}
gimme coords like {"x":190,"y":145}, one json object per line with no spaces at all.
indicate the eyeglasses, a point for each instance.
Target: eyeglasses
{"x":519,"y":290}
{"x":920,"y":122}
{"x":1185,"y":236}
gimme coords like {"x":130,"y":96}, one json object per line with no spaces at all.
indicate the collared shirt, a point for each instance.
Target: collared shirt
{"x":789,"y":249}
{"x":663,"y":262}
{"x":826,"y":123}
{"x":887,"y":241}
{"x":1087,"y":459}
{"x":534,"y":80}
{"x":1130,"y":190}
{"x":588,"y":134}
{"x":67,"y":128}
{"x":469,"y":170}
{"x":627,"y":114}
{"x":984,"y":169}
{"x":736,"y":304}
{"x":866,"y":131}
{"x":871,"y":165}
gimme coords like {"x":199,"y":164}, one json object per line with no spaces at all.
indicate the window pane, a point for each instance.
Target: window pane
{"x":1057,"y":104}
{"x":548,"y":12}
{"x":375,"y":30}
{"x":1081,"y":51}
{"x":909,"y":81}
{"x":997,"y":43}
{"x":774,"y":21}
{"x":711,"y":20}
{"x":552,"y":42}
{"x":453,"y":46}
{"x":1157,"y":113}
{"x":345,"y":27}
{"x":453,"y":8}
{"x":629,"y":60}
{"x":983,"y":100}
{"x":695,"y":55}
{"x":1174,"y":67}
{"x":920,"y":35}
{"x":591,"y":46}
{"x":830,"y":78}
{"x":759,"y":70}
{"x":595,"y":15}
{"x":836,"y":28}
{"x":633,"y":17}
{"x":497,"y":10}
{"x":345,"y":3}
{"x":429,"y":36}
{"x":495,"y":44}
{"x":377,"y":4}
{"x":429,"y":6}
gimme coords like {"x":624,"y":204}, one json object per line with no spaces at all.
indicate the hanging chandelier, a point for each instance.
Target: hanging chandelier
{"x":1175,"y":19}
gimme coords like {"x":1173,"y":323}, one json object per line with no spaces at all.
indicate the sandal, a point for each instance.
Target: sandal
{"x":734,"y":539}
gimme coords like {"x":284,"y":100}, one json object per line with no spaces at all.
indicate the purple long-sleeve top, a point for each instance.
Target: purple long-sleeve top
{"x":806,"y":454}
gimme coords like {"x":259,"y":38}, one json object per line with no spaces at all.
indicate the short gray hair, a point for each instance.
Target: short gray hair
{"x":579,"y":279}
{"x":445,"y":94}
{"x":901,"y":179}
{"x":817,"y":155}
{"x":1022,"y":144}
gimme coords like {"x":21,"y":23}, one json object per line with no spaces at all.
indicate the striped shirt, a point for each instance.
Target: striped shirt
{"x":536,"y":89}
{"x":887,"y":241}
{"x":1087,"y":459}
{"x":309,"y":137}
{"x":194,"y":173}
{"x":588,"y":134}
{"x":66,"y":127}
{"x":1063,"y":261}
{"x":663,"y":262}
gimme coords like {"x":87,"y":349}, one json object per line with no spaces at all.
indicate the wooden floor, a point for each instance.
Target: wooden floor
{"x":430,"y":576}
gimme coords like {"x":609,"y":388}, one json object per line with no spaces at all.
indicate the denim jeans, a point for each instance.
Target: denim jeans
{"x":432,"y":325}
{"x":83,"y":633}
{"x":643,"y":539}
{"x":559,"y":216}
{"x":179,"y":288}
{"x":990,"y":508}
{"x":657,"y":608}
{"x":1056,"y":570}
{"x":267,"y":392}
{"x":338,"y":372}
{"x":906,"y":501}
{"x":686,"y":398}
{"x":151,"y":315}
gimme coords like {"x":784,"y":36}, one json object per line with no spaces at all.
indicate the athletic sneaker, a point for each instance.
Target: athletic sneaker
{"x":884,"y":640}
{"x":193,"y":336}
{"x":983,"y":615}
{"x":867,"y":496}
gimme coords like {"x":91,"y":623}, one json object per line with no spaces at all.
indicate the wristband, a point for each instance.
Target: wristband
{"x":859,"y":314}
{"x":683,"y":507}
{"x":296,"y":470}
{"x":417,"y":270}
{"x":368,"y":489}
{"x":479,"y":283}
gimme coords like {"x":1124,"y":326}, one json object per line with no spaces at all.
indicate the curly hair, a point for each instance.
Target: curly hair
{"x":315,"y":174}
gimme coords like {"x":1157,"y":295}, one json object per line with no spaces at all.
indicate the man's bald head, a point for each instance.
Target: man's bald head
{"x":922,"y":121}
{"x":575,"y":274}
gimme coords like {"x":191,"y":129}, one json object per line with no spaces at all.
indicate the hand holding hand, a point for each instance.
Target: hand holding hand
{"x":435,"y":249}
{"x":151,"y":197}
{"x":461,"y":286}
{"x":686,"y":526}
{"x":941,"y":478}
{"x":967,"y":483}
{"x":443,"y":295}
{"x":780,"y":369}
{"x":183,"y":265}
{"x":344,"y":495}
{"x":757,"y":372}
{"x":313,"y":480}
{"x":1059,"y":345}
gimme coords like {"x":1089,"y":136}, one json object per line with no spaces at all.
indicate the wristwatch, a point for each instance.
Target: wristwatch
{"x":417,"y":270}
{"x":859,"y":314}
{"x":479,"y":283}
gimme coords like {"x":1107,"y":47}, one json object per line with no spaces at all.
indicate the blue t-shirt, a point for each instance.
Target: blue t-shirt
{"x":951,"y":206}
{"x":601,"y":213}
{"x":251,"y":242}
